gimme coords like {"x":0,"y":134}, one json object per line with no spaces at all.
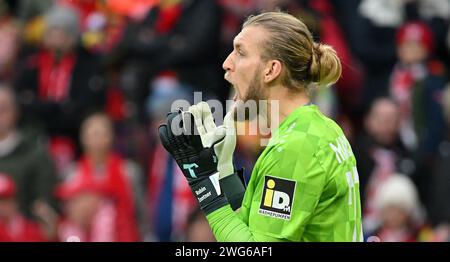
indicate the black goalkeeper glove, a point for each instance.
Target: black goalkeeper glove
{"x":198,"y":162}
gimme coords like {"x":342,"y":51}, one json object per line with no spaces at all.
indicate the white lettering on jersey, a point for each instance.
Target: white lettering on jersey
{"x":342,"y":149}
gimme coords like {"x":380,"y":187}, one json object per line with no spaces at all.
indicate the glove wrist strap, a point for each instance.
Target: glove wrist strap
{"x":233,"y":186}
{"x":209,"y":194}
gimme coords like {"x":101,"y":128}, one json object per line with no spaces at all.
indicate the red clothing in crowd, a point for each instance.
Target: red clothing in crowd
{"x":349,"y":84}
{"x":54,"y":76}
{"x":183,"y":201}
{"x":115,"y":183}
{"x":20,"y":229}
{"x":17,"y":228}
{"x":102,"y":227}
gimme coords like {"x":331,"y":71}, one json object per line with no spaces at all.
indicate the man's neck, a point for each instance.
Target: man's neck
{"x":285,"y":101}
{"x":97,"y":159}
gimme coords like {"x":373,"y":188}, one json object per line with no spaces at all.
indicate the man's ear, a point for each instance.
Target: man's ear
{"x":272,"y":70}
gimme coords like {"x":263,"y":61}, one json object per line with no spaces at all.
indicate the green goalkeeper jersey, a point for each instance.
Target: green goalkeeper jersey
{"x":304,"y":187}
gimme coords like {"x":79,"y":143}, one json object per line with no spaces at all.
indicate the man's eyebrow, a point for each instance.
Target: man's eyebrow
{"x":237,"y":45}
{"x":237,"y":41}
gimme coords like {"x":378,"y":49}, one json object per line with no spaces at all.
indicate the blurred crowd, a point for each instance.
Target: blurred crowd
{"x":85,"y":83}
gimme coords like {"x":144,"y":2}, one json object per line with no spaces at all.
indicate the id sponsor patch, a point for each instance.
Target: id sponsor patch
{"x":277,"y":197}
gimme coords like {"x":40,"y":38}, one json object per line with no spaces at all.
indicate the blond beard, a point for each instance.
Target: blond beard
{"x":256,"y":92}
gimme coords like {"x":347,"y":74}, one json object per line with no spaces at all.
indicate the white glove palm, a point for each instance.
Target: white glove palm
{"x":210,"y":134}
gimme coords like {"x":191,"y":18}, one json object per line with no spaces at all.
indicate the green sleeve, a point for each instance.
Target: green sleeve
{"x":304,"y":187}
{"x":227,"y":226}
{"x":296,"y":175}
{"x":299,"y":177}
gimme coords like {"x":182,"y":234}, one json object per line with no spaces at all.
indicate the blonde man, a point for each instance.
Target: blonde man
{"x":304,"y":186}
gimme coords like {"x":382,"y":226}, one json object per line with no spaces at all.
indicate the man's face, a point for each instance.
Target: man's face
{"x":243,"y":66}
{"x":58,"y":41}
{"x":395,"y":217}
{"x":97,"y":137}
{"x":412,"y":52}
{"x":383,"y":122}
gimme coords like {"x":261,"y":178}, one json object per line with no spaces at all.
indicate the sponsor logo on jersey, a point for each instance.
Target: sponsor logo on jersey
{"x":277,"y":197}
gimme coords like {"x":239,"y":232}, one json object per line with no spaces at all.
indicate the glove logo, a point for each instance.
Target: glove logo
{"x":277,"y":197}
{"x":190,"y":168}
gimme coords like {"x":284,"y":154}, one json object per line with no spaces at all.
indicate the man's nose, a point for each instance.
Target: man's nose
{"x":228,"y":63}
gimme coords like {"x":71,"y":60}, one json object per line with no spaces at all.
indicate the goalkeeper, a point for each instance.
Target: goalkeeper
{"x":304,"y":186}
